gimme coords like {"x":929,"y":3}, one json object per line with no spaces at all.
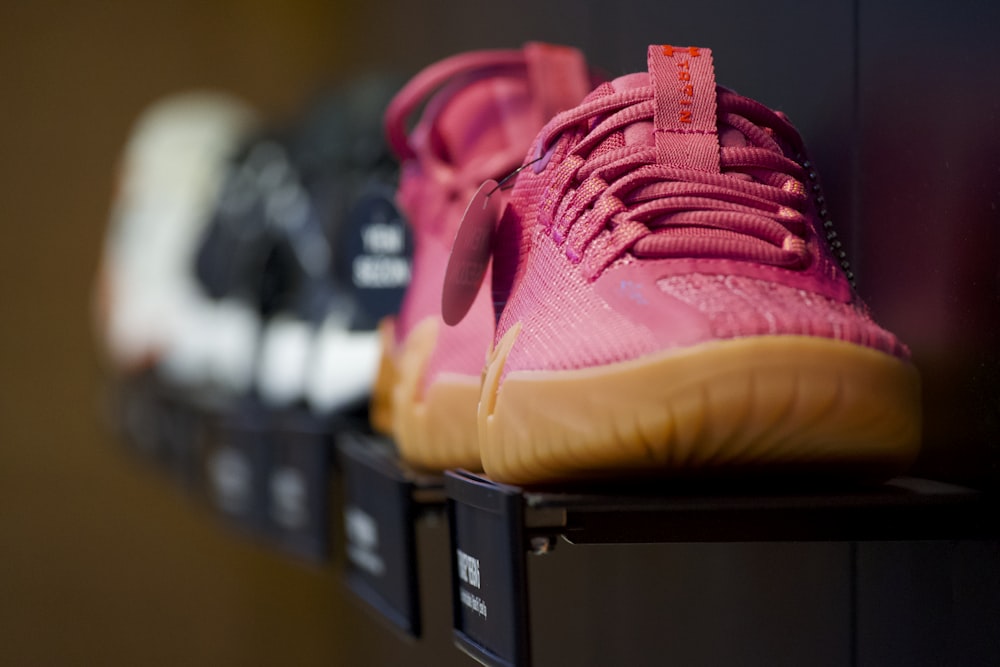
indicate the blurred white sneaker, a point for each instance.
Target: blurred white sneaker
{"x":170,"y":174}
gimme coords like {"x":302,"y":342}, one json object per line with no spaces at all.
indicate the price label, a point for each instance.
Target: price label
{"x":380,"y":539}
{"x":298,"y":478}
{"x":489,"y":579}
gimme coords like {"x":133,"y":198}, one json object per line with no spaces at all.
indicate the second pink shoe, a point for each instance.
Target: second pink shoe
{"x":481,"y":111}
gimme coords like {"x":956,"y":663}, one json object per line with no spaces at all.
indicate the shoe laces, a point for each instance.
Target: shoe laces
{"x":605,"y":202}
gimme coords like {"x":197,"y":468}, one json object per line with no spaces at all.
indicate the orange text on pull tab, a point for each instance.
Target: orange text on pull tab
{"x":668,"y":50}
{"x":684,"y":76}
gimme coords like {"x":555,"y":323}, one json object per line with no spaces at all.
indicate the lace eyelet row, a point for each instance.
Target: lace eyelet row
{"x":832,"y":238}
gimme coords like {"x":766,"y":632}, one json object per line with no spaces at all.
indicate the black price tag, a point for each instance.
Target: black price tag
{"x":137,"y":416}
{"x":380,"y":540}
{"x":162,"y":427}
{"x":297,"y":481}
{"x":235,"y":470}
{"x":489,"y":580}
{"x":182,"y":433}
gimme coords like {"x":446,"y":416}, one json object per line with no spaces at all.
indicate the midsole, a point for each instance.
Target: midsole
{"x":761,"y":400}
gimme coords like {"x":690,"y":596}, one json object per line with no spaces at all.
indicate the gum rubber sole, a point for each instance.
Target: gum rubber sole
{"x":760,"y":404}
{"x":380,"y":408}
{"x":437,"y":430}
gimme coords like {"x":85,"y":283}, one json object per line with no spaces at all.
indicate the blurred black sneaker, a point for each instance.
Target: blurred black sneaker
{"x":306,"y":234}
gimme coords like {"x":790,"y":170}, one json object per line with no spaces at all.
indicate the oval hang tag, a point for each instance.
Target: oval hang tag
{"x":470,"y":253}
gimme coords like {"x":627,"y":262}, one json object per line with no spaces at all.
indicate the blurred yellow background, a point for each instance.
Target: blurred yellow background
{"x":101,"y":561}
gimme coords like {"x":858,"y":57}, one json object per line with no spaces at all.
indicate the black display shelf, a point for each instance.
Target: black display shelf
{"x":265,"y":472}
{"x":285,"y":477}
{"x":494,"y":526}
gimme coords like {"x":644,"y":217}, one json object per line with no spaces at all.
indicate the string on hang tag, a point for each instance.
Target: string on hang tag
{"x":503,"y":181}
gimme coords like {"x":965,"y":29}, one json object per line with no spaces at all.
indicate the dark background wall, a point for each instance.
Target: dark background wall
{"x":101,"y":562}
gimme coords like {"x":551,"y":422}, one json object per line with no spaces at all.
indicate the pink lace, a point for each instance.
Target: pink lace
{"x":604,"y":201}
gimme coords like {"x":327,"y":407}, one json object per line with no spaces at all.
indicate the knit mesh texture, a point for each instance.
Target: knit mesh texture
{"x":567,"y":323}
{"x":564,"y":323}
{"x":738,"y":306}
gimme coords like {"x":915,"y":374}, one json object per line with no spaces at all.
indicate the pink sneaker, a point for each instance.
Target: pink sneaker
{"x":483,"y":111}
{"x":673,"y":299}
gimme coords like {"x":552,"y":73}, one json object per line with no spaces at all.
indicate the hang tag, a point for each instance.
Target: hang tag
{"x":471,"y":252}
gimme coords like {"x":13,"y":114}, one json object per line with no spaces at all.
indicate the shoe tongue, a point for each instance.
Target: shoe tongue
{"x":478,"y":120}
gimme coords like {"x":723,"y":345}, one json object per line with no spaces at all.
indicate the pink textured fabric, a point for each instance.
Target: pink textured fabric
{"x":665,"y":211}
{"x":482,"y":111}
